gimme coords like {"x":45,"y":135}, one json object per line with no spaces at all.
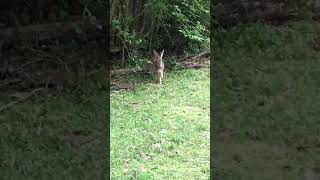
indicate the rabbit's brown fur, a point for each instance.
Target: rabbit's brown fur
{"x":158,"y":67}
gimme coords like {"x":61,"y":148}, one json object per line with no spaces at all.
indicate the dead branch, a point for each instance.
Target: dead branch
{"x":196,"y":56}
{"x":202,"y":54}
{"x":128,"y":71}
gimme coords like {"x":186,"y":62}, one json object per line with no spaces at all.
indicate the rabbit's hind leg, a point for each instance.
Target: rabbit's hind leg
{"x":159,"y":77}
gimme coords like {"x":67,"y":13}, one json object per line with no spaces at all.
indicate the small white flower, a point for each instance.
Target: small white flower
{"x":163,"y":131}
{"x":157,"y":145}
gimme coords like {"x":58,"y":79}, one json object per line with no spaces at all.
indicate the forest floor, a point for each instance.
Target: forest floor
{"x":267,"y":102}
{"x":161,"y":132}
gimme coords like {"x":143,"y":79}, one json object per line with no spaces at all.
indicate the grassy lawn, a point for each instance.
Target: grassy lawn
{"x":267,"y":102}
{"x":162,"y":133}
{"x":56,"y":135}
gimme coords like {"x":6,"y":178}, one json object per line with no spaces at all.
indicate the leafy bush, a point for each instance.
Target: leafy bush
{"x":193,"y":19}
{"x":155,"y":23}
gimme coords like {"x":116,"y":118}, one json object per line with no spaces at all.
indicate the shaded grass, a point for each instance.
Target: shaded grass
{"x":267,"y":96}
{"x":32,"y":137}
{"x":162,"y":133}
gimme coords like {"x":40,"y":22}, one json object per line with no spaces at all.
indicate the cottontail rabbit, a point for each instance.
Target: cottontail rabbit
{"x":157,"y":66}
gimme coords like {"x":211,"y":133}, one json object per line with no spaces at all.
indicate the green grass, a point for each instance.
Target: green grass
{"x":162,"y":133}
{"x":32,"y":144}
{"x":267,"y":101}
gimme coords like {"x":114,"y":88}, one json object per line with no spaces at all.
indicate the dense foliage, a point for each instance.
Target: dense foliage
{"x":169,"y":24}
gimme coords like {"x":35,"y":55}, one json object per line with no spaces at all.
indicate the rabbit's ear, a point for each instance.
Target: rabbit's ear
{"x":155,"y":53}
{"x":161,"y":54}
